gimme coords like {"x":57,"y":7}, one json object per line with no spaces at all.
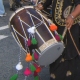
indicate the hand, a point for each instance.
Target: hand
{"x":69,"y":21}
{"x":39,"y":6}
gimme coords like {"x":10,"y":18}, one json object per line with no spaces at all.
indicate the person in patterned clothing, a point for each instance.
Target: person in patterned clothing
{"x":66,"y":14}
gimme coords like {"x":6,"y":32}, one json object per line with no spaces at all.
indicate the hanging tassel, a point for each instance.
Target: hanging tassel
{"x":36,"y":56}
{"x":57,"y":37}
{"x":14,"y":77}
{"x":29,"y":42}
{"x":36,"y":66}
{"x":38,"y":69}
{"x":60,"y":37}
{"x":28,"y":57}
{"x":32,"y":68}
{"x":53,"y":27}
{"x":32,"y":56}
{"x":36,"y":78}
{"x":32,"y":30}
{"x":34,"y":41}
{"x":19,"y":66}
{"x":35,"y":73}
{"x":27,"y":72}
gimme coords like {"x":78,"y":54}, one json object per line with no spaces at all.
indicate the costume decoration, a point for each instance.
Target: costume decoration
{"x":19,"y":66}
{"x":14,"y":77}
{"x":32,"y":67}
{"x":27,"y":72}
{"x":53,"y":27}
{"x":28,"y":57}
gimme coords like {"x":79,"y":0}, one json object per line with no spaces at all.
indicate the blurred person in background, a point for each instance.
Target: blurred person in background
{"x":14,"y":4}
{"x":2,"y":9}
{"x":11,"y":3}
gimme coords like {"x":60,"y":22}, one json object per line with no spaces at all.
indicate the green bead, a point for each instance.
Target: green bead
{"x":34,"y":41}
{"x":36,"y":78}
{"x":32,"y":68}
{"x":14,"y":77}
{"x":32,"y":56}
{"x":60,"y":37}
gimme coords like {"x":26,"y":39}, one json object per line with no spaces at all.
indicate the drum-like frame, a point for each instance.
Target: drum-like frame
{"x":49,"y":51}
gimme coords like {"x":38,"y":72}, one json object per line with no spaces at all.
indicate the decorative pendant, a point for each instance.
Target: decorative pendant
{"x":35,"y":73}
{"x":36,"y":56}
{"x":32,"y":67}
{"x":57,"y":37}
{"x":36,"y":65}
{"x":27,"y":72}
{"x":14,"y":77}
{"x":34,"y":41}
{"x":38,"y":69}
{"x":28,"y":57}
{"x":36,"y":78}
{"x":19,"y":66}
{"x":60,"y":37}
{"x":53,"y":27}
{"x":32,"y":30}
{"x":33,"y":57}
{"x":29,"y":42}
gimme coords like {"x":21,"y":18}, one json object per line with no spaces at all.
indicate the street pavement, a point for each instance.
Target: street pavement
{"x":9,"y":52}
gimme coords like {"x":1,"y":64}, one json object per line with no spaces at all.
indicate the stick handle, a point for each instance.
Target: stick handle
{"x":64,"y":32}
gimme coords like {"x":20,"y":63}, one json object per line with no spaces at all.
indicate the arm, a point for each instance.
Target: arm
{"x":76,"y":12}
{"x":72,"y":16}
